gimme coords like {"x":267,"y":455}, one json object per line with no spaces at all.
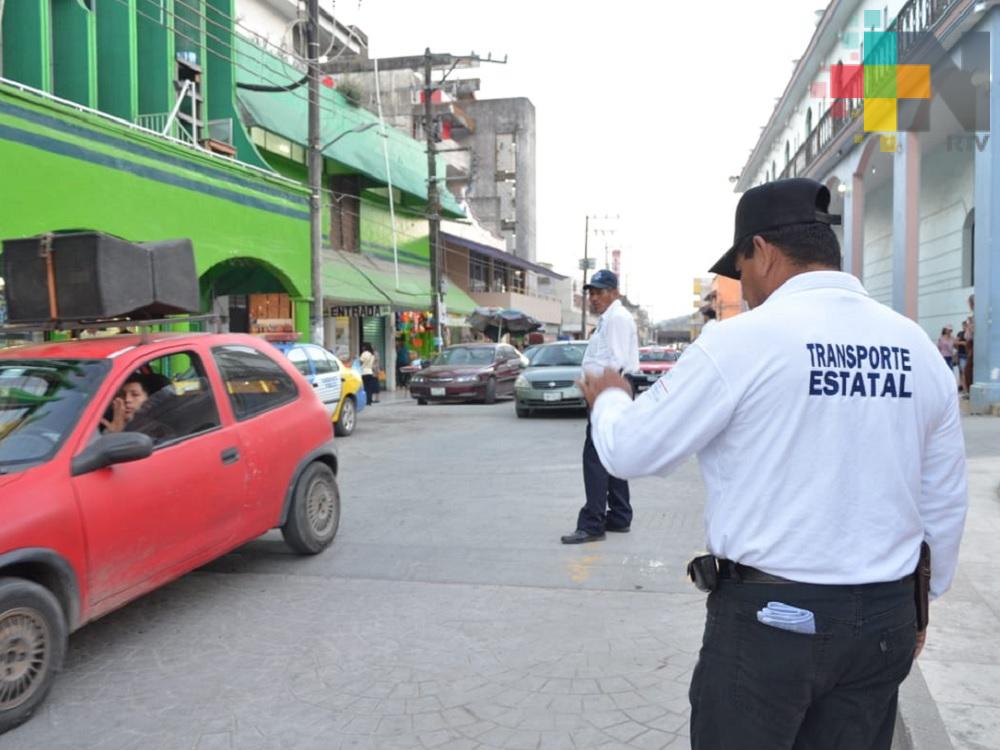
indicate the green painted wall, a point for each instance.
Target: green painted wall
{"x":117,"y":40}
{"x":155,"y":45}
{"x":376,"y":232}
{"x":74,"y":74}
{"x":228,"y":212}
{"x":26,"y":43}
{"x":188,"y":28}
{"x":221,"y":88}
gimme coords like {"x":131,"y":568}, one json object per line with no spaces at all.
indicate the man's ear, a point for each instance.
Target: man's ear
{"x":766,"y":254}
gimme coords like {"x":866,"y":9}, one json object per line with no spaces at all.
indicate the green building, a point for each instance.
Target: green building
{"x":133,"y":117}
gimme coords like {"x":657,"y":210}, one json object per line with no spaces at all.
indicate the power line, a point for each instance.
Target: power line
{"x":231,"y":59}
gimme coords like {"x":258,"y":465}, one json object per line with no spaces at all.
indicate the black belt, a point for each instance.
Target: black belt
{"x":746,"y":574}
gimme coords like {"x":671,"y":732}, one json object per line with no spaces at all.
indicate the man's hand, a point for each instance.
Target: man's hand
{"x":593,"y":386}
{"x":921,"y":640}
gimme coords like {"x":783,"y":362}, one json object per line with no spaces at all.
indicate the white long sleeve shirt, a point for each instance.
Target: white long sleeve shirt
{"x":614,"y":343}
{"x":828,"y":433}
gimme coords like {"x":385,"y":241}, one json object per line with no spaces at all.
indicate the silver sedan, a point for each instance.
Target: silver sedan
{"x":549,"y":382}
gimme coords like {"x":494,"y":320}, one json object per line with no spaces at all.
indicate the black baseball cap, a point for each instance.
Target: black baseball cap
{"x":781,"y":203}
{"x":603,"y":279}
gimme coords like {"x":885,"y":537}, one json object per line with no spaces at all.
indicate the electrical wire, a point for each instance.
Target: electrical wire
{"x":257,"y":73}
{"x":280,"y":48}
{"x":329,"y":110}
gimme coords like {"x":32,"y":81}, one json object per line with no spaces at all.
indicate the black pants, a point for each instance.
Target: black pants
{"x":607,"y":496}
{"x":756,"y":686}
{"x":371,"y":387}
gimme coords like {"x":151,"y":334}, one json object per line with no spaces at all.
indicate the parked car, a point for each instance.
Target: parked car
{"x":338,"y":386}
{"x":654,"y":363}
{"x":549,"y":383}
{"x":102,"y":502}
{"x":477,"y":372}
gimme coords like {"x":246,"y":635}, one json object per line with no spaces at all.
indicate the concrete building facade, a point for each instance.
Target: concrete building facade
{"x":918,"y":201}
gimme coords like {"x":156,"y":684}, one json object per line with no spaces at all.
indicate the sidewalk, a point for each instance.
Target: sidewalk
{"x":952,"y":697}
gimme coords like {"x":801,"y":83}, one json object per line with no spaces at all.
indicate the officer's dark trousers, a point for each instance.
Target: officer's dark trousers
{"x":756,"y":687}
{"x":607,"y":496}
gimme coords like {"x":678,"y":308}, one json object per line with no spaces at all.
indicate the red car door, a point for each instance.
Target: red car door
{"x":150,"y":520}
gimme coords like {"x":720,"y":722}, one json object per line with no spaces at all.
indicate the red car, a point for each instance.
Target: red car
{"x":654,"y":362}
{"x":126,"y":462}
{"x":477,"y":372}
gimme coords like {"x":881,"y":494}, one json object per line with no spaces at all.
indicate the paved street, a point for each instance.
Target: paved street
{"x":446,"y":615}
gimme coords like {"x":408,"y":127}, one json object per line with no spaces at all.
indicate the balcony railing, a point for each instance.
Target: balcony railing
{"x":158,"y":122}
{"x":915,"y":19}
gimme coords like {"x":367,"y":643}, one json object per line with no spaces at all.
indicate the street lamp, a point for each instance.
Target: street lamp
{"x":356,"y":129}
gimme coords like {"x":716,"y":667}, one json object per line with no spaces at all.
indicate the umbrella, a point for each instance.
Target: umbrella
{"x":493,"y":321}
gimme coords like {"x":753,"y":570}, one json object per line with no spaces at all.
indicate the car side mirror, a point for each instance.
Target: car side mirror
{"x":112,"y":448}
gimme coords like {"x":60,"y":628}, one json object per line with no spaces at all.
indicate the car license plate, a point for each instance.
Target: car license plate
{"x":438,"y":391}
{"x":557,"y":396}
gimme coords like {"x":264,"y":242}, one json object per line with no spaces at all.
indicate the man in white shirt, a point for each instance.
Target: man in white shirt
{"x":614,"y":345}
{"x":828,"y":432}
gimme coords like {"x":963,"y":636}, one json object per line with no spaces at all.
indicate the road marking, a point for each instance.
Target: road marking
{"x":579,"y":570}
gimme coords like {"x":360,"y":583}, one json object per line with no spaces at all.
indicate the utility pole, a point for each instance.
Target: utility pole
{"x":315,"y":166}
{"x":429,"y":62}
{"x":433,"y":205}
{"x":583,"y":290}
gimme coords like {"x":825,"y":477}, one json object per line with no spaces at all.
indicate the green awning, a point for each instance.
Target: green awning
{"x":413,"y":292}
{"x":344,"y":284}
{"x":285,"y":113}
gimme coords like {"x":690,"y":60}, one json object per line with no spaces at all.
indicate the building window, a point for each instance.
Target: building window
{"x":788,"y":153}
{"x":478,"y":269}
{"x":809,"y":122}
{"x":969,"y":250}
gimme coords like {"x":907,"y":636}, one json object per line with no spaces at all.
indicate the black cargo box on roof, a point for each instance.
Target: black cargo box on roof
{"x":91,"y":276}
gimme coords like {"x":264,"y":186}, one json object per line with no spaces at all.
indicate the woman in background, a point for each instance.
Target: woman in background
{"x":369,"y":373}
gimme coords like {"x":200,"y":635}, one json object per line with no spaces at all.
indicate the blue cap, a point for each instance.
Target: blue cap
{"x":603,"y":279}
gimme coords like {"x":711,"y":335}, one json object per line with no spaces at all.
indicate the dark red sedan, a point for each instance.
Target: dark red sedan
{"x":127,"y":461}
{"x":469,"y":372}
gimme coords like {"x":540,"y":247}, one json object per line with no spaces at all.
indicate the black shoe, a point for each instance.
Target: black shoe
{"x":579,"y":536}
{"x":619,"y":529}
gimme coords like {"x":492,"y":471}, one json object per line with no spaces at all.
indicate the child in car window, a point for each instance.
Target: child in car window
{"x":134,"y":393}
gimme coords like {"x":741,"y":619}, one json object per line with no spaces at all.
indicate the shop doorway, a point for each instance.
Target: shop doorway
{"x":251,"y":296}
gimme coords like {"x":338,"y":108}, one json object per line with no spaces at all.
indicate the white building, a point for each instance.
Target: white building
{"x":910,"y":190}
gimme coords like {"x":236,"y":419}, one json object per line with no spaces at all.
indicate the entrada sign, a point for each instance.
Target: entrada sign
{"x":359,"y":311}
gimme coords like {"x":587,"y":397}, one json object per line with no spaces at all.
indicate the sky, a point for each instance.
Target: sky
{"x":644,"y":110}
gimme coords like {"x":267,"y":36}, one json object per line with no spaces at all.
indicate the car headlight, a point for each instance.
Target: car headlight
{"x":417,"y":379}
{"x":522,"y":382}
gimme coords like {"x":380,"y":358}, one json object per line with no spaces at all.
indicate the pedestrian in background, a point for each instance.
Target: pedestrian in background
{"x":402,"y":360}
{"x":614,"y":345}
{"x":831,"y":447}
{"x":368,"y":372}
{"x":968,"y":372}
{"x":946,"y":345}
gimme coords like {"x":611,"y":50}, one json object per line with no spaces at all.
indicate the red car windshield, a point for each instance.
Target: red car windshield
{"x":40,"y":402}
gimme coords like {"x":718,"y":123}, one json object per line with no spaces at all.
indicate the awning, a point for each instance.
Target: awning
{"x":348,"y":277}
{"x":495,"y":254}
{"x":345,"y":284}
{"x":285,"y":113}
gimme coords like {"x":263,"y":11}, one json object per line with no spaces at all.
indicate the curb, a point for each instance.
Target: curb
{"x":918,"y":722}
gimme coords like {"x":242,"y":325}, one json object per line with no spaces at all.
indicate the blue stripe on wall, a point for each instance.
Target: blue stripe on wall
{"x":56,"y":123}
{"x":73,"y":151}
